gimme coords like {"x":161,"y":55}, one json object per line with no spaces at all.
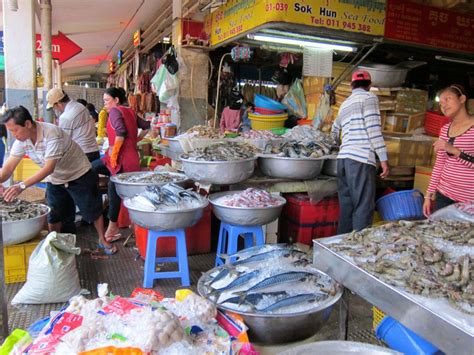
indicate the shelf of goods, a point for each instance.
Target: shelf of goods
{"x":446,"y":330}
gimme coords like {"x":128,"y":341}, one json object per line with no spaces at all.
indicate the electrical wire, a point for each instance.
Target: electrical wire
{"x":218,"y":87}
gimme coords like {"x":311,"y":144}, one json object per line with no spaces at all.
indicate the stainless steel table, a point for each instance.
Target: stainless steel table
{"x":427,"y":322}
{"x":3,"y":299}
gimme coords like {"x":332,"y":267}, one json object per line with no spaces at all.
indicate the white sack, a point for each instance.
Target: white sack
{"x":52,"y":273}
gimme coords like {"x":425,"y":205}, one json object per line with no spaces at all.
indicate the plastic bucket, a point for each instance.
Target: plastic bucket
{"x":400,"y":338}
{"x":406,"y":205}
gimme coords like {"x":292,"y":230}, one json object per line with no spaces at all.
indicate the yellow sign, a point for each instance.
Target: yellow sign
{"x":240,"y":16}
{"x":137,"y":40}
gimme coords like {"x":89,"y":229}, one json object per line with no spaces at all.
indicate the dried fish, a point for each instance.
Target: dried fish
{"x":19,"y":210}
{"x":151,"y":177}
{"x":202,"y":132}
{"x":224,"y":151}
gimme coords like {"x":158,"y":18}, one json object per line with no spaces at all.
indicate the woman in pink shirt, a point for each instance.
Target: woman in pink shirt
{"x":452,"y":179}
{"x":231,"y":115}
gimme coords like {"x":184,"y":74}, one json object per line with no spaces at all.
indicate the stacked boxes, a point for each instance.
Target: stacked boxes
{"x":17,"y":258}
{"x":302,"y":220}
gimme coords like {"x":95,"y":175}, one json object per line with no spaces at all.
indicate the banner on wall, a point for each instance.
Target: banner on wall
{"x":431,"y":26}
{"x":239,"y":16}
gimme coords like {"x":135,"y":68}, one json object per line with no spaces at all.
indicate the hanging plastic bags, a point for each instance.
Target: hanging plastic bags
{"x":169,"y":88}
{"x":170,"y":61}
{"x":295,"y":100}
{"x":52,"y":273}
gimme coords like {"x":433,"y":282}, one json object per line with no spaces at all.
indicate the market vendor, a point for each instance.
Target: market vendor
{"x":75,"y":120}
{"x":122,"y":156}
{"x":358,"y":124}
{"x":70,"y":179}
{"x":452,"y":179}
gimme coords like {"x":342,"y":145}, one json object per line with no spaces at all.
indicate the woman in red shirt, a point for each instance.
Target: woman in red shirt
{"x":122,"y":156}
{"x":452,"y":179}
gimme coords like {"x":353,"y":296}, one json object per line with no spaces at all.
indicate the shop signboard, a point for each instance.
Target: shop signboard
{"x":62,"y":47}
{"x":240,"y":16}
{"x":137,"y":39}
{"x":431,"y":26}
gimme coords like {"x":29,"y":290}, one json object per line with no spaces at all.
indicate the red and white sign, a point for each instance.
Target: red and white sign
{"x":62,"y":47}
{"x":430,"y":26}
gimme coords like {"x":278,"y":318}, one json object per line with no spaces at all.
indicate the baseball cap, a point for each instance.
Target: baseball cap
{"x":53,"y":97}
{"x":361,"y":75}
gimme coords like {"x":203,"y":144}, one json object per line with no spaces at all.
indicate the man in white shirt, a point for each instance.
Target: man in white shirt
{"x":76,"y":121}
{"x":70,"y":179}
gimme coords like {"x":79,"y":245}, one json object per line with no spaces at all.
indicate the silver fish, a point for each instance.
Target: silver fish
{"x":293,"y":300}
{"x":253,"y":299}
{"x":282,"y":278}
{"x":242,"y":280}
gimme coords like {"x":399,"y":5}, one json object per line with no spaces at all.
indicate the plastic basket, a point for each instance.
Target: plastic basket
{"x":305,"y":122}
{"x":406,"y":205}
{"x":434,"y":122}
{"x":377,"y":316}
{"x":267,"y":122}
{"x":268,"y":103}
{"x":265,"y":111}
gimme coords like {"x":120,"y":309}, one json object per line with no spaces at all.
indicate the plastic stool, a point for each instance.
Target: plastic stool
{"x":151,"y":260}
{"x":229,"y":236}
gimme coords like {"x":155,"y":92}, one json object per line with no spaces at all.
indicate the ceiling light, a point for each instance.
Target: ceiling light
{"x":454,"y":60}
{"x":166,"y":40}
{"x":66,"y":83}
{"x":301,"y":43}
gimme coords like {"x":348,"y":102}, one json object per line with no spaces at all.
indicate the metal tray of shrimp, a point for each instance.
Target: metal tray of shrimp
{"x":415,"y":312}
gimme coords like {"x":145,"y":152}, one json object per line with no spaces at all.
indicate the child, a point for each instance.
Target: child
{"x":246,"y":125}
{"x":230,"y":117}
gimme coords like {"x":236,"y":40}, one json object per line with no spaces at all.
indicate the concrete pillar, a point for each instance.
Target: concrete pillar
{"x":20,"y":56}
{"x":193,"y":78}
{"x":46,"y":54}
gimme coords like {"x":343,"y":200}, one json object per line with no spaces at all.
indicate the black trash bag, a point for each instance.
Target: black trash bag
{"x":170,"y":61}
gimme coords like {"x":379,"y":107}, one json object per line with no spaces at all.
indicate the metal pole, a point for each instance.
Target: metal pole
{"x":46,"y":53}
{"x":3,"y":300}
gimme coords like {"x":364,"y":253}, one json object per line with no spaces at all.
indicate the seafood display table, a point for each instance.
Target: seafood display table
{"x":427,"y":321}
{"x":323,"y":184}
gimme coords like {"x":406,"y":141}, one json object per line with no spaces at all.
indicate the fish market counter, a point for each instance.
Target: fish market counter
{"x":321,"y":185}
{"x":433,"y":319}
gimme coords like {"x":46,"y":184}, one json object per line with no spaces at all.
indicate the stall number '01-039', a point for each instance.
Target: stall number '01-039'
{"x":280,"y":6}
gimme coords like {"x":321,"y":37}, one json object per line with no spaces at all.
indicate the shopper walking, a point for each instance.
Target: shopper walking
{"x":122,"y":156}
{"x":357,"y":129}
{"x":71,"y":181}
{"x":75,"y":120}
{"x":452,"y":179}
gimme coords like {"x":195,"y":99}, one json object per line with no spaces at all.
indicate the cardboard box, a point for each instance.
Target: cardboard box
{"x":407,"y":150}
{"x":404,"y":123}
{"x":422,"y":178}
{"x":411,"y":101}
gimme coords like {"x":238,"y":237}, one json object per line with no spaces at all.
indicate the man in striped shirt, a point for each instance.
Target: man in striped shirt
{"x":357,"y":129}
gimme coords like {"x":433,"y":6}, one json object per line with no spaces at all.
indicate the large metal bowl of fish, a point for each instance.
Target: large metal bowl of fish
{"x":166,"y":208}
{"x":280,"y":296}
{"x":219,"y":172}
{"x":22,"y":221}
{"x":245,"y":216}
{"x":175,"y":145}
{"x":290,"y":168}
{"x":131,"y":184}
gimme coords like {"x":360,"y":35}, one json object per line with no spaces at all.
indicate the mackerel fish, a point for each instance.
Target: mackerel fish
{"x":293,"y":301}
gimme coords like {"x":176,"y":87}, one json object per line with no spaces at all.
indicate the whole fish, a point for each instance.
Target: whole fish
{"x":215,"y":293}
{"x":282,"y":278}
{"x":271,"y":254}
{"x":253,"y":299}
{"x":223,"y":273}
{"x":293,"y":300}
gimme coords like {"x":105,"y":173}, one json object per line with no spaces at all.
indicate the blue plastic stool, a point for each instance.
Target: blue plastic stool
{"x":151,"y":260}
{"x":229,"y":236}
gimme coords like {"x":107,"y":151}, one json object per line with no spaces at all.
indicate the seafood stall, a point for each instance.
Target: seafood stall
{"x":419,"y":272}
{"x":280,"y":296}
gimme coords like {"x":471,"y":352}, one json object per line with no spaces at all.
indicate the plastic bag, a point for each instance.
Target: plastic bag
{"x":52,"y":273}
{"x":295,"y":100}
{"x":462,"y":211}
{"x":169,"y":88}
{"x":158,"y":78}
{"x":170,"y":61}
